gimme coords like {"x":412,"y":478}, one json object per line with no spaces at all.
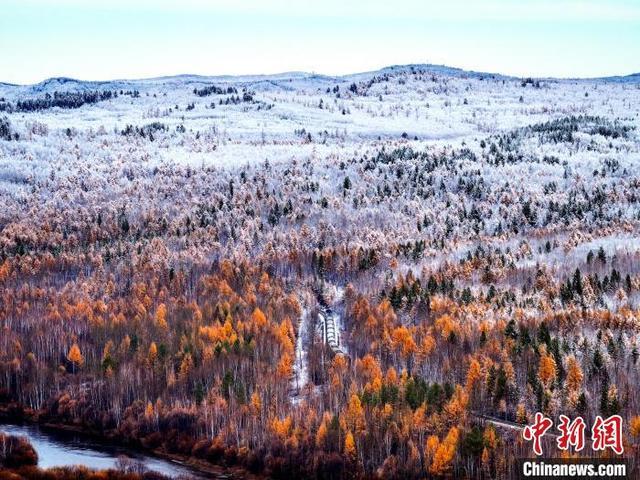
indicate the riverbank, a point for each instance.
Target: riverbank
{"x":13,"y":414}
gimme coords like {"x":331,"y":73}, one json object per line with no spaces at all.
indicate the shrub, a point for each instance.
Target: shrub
{"x":16,"y":452}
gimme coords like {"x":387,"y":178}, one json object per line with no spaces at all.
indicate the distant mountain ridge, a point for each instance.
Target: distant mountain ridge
{"x":278,"y":79}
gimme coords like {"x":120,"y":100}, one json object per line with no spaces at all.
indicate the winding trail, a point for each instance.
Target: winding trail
{"x":301,"y":366}
{"x":329,"y":326}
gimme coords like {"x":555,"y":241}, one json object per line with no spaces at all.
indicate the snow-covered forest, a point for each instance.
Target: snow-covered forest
{"x":380,"y":275}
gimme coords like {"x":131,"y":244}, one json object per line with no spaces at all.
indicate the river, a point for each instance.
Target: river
{"x":62,"y":449}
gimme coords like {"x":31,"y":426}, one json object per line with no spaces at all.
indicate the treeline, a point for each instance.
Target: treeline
{"x":247,"y":97}
{"x":564,"y":129}
{"x":214,"y":90}
{"x":67,"y":100}
{"x":146,"y":131}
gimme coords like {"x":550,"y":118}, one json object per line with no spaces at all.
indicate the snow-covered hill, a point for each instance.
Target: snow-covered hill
{"x":87,"y":131}
{"x":423,"y":102}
